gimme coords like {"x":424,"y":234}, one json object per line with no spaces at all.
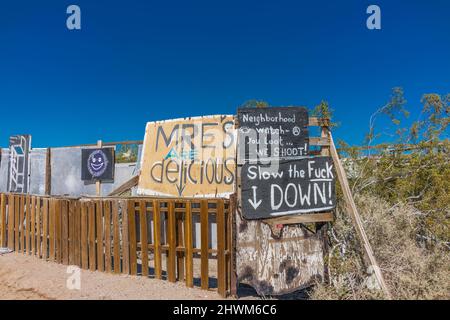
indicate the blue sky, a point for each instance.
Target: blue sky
{"x":138,"y":61}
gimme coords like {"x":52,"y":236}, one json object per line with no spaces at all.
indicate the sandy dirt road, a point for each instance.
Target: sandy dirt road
{"x":28,"y":278}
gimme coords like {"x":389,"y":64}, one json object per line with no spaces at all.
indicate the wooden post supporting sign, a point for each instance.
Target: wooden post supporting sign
{"x":356,"y":217}
{"x":98,"y":184}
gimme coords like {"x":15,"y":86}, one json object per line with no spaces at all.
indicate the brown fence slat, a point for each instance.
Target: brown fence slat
{"x":144,"y":236}
{"x":51,"y":229}
{"x":22,"y":223}
{"x":58,"y":230}
{"x":38,"y":227}
{"x":77,"y":233}
{"x":33,"y":226}
{"x":84,"y":236}
{"x":157,"y":239}
{"x":204,"y":267}
{"x":11,"y":210}
{"x":17,"y":210}
{"x":132,"y":236}
{"x":27,"y":225}
{"x":2,"y":220}
{"x":180,"y":244}
{"x":65,"y":232}
{"x":171,"y":237}
{"x":100,"y":249}
{"x":107,"y":214}
{"x":189,"y":246}
{"x":125,"y":239}
{"x":221,"y":239}
{"x":45,"y":223}
{"x":116,"y":235}
{"x":71,"y":232}
{"x":91,"y":230}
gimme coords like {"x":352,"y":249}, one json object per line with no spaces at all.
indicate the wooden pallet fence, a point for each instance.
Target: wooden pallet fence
{"x":150,"y":237}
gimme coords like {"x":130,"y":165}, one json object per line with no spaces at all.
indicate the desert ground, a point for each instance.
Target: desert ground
{"x":27,"y":278}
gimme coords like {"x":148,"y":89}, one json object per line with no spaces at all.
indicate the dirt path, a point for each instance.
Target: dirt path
{"x":24,"y":277}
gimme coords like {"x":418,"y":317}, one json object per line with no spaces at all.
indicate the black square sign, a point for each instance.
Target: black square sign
{"x":97,"y":164}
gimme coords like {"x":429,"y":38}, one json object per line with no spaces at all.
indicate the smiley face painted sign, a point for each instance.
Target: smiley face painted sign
{"x":97,"y":164}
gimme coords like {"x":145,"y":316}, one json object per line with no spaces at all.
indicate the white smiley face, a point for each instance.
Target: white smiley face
{"x":97,"y":163}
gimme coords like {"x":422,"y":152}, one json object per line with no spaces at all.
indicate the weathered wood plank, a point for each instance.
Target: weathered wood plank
{"x":221,"y":241}
{"x":157,"y":239}
{"x":144,"y":236}
{"x":125,"y":238}
{"x":100,"y":249}
{"x":132,"y":236}
{"x":276,"y":266}
{"x":64,"y":232}
{"x":303,"y":218}
{"x":107,"y":213}
{"x":204,"y":268}
{"x":180,"y":244}
{"x":21,"y":228}
{"x":231,"y":246}
{"x":27,"y":248}
{"x":33,"y":226}
{"x":91,"y":230}
{"x":189,"y":246}
{"x":319,"y":141}
{"x":116,"y":239}
{"x":71,"y":232}
{"x":17,"y":210}
{"x":45,"y":223}
{"x":51,"y":229}
{"x":84,"y":236}
{"x":58,"y":230}
{"x":38,"y":227}
{"x":77,"y":233}
{"x":11,"y":219}
{"x":171,"y":242}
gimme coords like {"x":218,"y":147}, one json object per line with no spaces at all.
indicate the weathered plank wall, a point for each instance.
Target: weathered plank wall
{"x":278,"y":266}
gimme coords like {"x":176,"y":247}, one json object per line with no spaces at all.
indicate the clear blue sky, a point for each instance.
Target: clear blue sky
{"x":138,"y":61}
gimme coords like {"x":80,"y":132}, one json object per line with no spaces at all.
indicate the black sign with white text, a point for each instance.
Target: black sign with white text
{"x":268,"y":134}
{"x":288,"y":187}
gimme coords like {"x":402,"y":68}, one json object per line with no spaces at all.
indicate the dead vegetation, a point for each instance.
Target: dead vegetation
{"x":411,"y":271}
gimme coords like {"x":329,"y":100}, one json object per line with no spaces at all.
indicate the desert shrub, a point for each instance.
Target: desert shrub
{"x":402,"y":190}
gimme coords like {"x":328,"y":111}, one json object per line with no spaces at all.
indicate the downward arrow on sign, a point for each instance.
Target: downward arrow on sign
{"x":254,"y":203}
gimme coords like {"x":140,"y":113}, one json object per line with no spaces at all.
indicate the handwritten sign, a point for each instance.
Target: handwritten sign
{"x":268,"y":134}
{"x":194,"y":157}
{"x":288,"y":187}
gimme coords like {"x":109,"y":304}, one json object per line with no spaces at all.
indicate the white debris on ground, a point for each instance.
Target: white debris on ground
{"x":4,"y":251}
